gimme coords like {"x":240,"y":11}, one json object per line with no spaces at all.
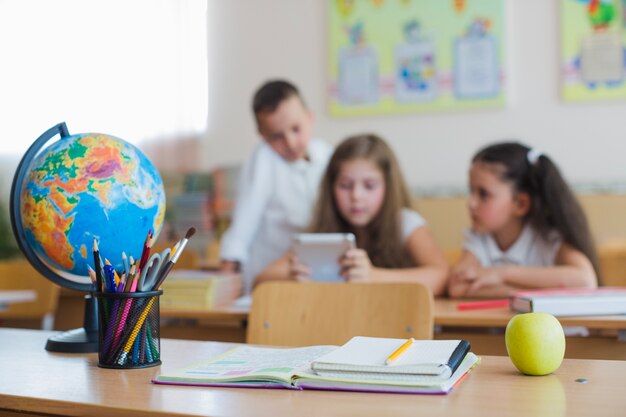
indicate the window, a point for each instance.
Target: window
{"x":133,"y":69}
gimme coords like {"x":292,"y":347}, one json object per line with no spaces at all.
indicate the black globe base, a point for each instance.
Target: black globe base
{"x":73,"y":341}
{"x":83,"y":339}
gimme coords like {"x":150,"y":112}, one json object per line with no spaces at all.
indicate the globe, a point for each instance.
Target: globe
{"x":80,"y":189}
{"x":84,"y":187}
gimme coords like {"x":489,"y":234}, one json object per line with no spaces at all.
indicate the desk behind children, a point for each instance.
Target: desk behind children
{"x":484,"y":328}
{"x":48,"y":384}
{"x":35,"y":312}
{"x":447,"y":313}
{"x":8,"y":297}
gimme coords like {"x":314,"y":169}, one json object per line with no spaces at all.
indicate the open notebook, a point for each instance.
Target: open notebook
{"x":260,"y":367}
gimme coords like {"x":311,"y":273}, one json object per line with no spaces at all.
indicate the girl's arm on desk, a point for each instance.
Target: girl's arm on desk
{"x":469,"y":279}
{"x":571,"y":269}
{"x":469,"y":270}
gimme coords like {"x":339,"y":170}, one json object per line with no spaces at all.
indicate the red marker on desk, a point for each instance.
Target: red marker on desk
{"x":483,"y":304}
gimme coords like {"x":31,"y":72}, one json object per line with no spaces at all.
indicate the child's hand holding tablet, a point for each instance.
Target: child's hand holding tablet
{"x":320,"y":254}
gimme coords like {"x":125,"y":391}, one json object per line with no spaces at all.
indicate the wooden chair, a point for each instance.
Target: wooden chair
{"x":612,"y":257}
{"x":19,"y":274}
{"x":300,"y":314}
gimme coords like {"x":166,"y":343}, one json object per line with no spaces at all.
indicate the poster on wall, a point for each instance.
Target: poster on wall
{"x":593,"y":49}
{"x":403,"y":56}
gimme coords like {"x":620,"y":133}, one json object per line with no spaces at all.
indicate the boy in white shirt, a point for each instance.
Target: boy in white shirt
{"x":278,"y":185}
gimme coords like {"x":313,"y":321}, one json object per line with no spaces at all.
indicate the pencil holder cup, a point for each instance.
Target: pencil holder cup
{"x":129,"y":330}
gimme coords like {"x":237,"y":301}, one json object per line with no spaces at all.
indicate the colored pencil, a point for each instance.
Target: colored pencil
{"x":97,"y":261}
{"x":398,"y":352}
{"x":92,"y":276}
{"x":133,"y":335}
{"x":125,"y":263}
{"x":145,"y":254}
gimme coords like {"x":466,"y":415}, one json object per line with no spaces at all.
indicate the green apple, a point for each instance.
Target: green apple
{"x":535,"y":343}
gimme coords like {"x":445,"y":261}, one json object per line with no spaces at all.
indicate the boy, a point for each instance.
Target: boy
{"x":279,"y":182}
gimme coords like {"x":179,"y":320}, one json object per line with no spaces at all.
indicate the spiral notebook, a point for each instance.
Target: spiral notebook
{"x":425,"y":360}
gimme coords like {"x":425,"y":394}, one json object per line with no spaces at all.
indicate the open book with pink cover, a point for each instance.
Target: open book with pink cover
{"x":291,"y":368}
{"x":572,"y":301}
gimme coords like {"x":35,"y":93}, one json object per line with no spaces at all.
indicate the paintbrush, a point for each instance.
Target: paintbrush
{"x":170,"y":264}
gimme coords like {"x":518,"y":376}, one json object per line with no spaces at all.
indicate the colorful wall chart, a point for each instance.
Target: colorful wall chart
{"x":403,"y":56}
{"x":593,"y":49}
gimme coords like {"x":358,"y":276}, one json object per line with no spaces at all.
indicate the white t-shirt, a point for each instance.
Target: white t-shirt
{"x":275,"y":199}
{"x":530,"y":249}
{"x":410,"y":220}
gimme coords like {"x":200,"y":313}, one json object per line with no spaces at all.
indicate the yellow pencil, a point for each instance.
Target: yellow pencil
{"x":133,"y":335}
{"x":396,"y":354}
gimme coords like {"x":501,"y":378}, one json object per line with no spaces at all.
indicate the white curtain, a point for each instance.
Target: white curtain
{"x":136,"y":69}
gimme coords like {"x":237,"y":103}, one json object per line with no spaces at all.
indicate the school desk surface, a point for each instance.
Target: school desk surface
{"x":36,"y":382}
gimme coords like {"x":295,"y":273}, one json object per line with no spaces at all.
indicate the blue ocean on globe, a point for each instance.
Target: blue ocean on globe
{"x":85,"y":187}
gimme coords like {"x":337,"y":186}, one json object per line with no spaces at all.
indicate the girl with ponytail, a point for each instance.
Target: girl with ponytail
{"x":528,"y":230}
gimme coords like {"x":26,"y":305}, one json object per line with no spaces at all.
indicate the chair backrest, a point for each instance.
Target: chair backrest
{"x":612,"y":259}
{"x":301,"y":314}
{"x":19,"y":274}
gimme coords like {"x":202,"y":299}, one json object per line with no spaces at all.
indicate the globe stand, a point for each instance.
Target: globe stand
{"x":83,"y":339}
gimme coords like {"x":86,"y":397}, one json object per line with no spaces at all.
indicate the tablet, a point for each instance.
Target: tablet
{"x":321,"y":253}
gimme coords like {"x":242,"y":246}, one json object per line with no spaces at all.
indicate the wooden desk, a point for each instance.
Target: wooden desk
{"x":226,"y":324}
{"x":447,"y":314}
{"x":36,"y":382}
{"x":15,"y":296}
{"x":484,"y":328}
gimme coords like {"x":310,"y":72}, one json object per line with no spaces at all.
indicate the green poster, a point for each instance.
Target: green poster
{"x":403,"y":56}
{"x":592,"y":48}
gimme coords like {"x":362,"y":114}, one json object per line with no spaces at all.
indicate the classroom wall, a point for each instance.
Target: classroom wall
{"x":447,"y":216}
{"x":252,"y":41}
